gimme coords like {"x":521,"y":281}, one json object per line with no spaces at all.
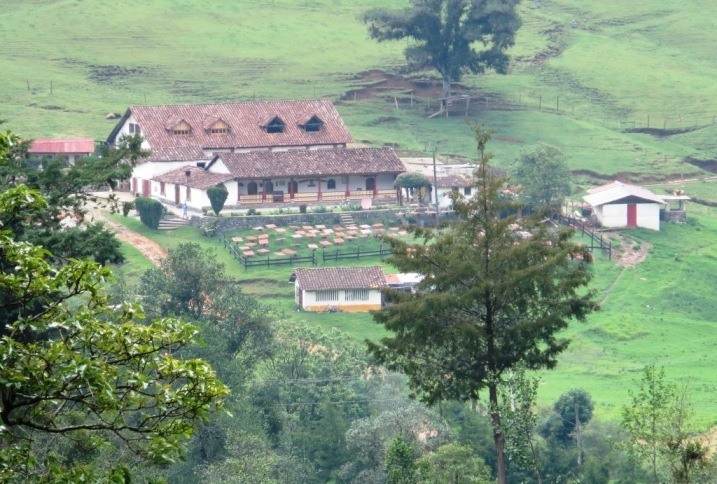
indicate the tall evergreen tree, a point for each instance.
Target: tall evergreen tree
{"x":491,"y":299}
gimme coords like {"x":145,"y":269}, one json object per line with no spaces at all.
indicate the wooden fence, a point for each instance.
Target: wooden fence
{"x":597,"y":241}
{"x":328,"y":255}
{"x":267,"y":261}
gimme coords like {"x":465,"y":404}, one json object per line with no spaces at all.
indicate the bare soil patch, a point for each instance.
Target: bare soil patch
{"x":628,"y":252}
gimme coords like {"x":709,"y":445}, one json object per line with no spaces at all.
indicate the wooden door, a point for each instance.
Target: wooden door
{"x":176,"y":194}
{"x":145,"y":188}
{"x":632,"y":215}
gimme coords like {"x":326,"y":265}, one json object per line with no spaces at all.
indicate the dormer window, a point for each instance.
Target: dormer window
{"x":312,"y":124}
{"x":134,"y":128}
{"x":178,"y":126}
{"x":275,"y":125}
{"x":215,"y":125}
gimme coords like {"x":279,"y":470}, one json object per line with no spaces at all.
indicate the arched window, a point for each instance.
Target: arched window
{"x":331,"y":184}
{"x":252,"y":188}
{"x":370,"y":183}
{"x":269,"y":187}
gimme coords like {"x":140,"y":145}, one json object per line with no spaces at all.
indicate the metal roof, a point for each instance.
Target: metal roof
{"x":62,"y":146}
{"x":616,"y":190}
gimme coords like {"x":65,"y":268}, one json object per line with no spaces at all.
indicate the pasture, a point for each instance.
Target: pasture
{"x":623,"y":88}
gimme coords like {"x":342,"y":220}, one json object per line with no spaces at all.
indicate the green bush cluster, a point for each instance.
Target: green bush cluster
{"x":150,"y":211}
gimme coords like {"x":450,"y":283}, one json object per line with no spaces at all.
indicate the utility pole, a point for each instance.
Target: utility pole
{"x":435,"y":183}
{"x":577,"y":437}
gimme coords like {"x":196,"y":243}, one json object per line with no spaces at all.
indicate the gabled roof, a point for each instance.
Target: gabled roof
{"x":616,"y":191}
{"x":62,"y":146}
{"x":308,"y":163}
{"x":450,"y":181}
{"x":198,"y":177}
{"x":325,"y":278}
{"x":245,"y":122}
{"x":184,"y":153}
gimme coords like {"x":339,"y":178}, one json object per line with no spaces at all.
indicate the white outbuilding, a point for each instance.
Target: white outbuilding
{"x":350,"y":289}
{"x":620,"y":205}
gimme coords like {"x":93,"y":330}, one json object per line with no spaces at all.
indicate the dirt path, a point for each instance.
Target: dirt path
{"x":628,"y":253}
{"x":149,"y":248}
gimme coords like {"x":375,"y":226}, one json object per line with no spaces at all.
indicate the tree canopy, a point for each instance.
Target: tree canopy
{"x":74,"y":367}
{"x":544,"y":175}
{"x":447,"y":33}
{"x":492,"y":298}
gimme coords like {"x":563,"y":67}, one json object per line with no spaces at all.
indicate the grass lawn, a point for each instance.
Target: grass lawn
{"x":661,"y":311}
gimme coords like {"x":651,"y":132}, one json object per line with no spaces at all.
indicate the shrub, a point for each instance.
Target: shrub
{"x":126,"y":207}
{"x":302,"y":208}
{"x":320,"y":209}
{"x":150,"y":211}
{"x":253,"y":211}
{"x":217,"y":196}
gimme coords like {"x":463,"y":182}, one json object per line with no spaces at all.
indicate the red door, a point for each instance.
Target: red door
{"x":145,"y":188}
{"x":176,"y":194}
{"x":632,"y":215}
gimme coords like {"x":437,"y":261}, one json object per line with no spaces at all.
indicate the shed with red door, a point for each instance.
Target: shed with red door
{"x":620,"y":205}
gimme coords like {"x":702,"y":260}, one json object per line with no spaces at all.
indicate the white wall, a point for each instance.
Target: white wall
{"x":124,"y":130}
{"x":615,"y":215}
{"x":310,"y":303}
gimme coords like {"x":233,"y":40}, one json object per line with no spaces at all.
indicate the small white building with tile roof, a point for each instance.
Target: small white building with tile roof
{"x":620,"y":205}
{"x":350,"y":289}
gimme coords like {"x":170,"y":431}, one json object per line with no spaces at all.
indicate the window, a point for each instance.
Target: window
{"x":370,"y":183}
{"x":467,"y":191}
{"x":219,"y":130}
{"x":313,"y":124}
{"x":344,"y":178}
{"x":330,"y":295}
{"x":133,"y":128}
{"x":357,"y":294}
{"x":252,"y":188}
{"x":276,"y":125}
{"x":180,"y":131}
{"x":331,"y":184}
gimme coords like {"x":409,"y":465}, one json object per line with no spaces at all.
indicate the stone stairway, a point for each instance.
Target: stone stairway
{"x":347,"y":220}
{"x":171,"y":222}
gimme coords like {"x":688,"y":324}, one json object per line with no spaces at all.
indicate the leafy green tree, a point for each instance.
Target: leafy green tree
{"x":64,"y":190}
{"x":544,"y":175}
{"x":518,"y":395}
{"x":490,"y":301}
{"x":656,"y":422}
{"x":454,"y":464}
{"x":217,"y":197}
{"x":411,"y":181}
{"x":73,"y":367}
{"x":445,"y":34}
{"x":400,"y":463}
{"x":368,"y":439}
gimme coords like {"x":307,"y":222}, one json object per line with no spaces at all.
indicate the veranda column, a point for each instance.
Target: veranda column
{"x":291,"y":188}
{"x":263,"y":191}
{"x":319,"y":197}
{"x":375,"y":186}
{"x":348,"y":190}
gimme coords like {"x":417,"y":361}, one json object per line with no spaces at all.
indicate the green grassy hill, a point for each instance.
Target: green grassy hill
{"x":621,"y":87}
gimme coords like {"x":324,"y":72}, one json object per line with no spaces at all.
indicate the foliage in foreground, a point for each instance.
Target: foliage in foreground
{"x":492,"y":299}
{"x":74,"y":367}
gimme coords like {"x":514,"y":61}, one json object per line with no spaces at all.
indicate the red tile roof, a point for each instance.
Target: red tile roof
{"x":186,"y":153}
{"x":342,"y":161}
{"x":450,"y":181}
{"x":319,"y":279}
{"x":198,"y":177}
{"x":245,"y":124}
{"x":62,"y":146}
